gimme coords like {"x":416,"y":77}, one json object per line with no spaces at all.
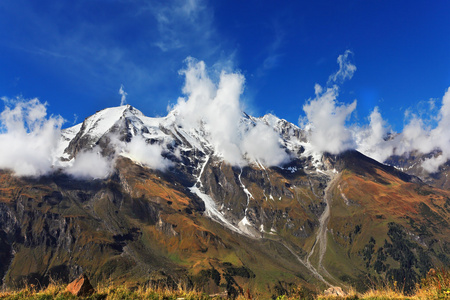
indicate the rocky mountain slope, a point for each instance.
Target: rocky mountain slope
{"x":171,"y":209}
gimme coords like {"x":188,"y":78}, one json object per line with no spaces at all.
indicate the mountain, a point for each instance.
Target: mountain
{"x":411,"y":163}
{"x":171,"y":210}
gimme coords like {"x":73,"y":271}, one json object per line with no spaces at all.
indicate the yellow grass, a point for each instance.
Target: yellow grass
{"x":435,"y":286}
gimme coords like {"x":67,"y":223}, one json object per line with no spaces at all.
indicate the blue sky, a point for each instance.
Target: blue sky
{"x":75,"y":55}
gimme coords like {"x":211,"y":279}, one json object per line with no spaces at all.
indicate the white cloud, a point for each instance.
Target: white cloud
{"x":372,"y":139}
{"x":326,"y":125}
{"x":326,"y":118}
{"x":217,"y":109}
{"x":28,"y":137}
{"x":416,"y":136}
{"x":184,"y":23}
{"x":29,"y":141}
{"x":123,"y":94}
{"x":261,"y":143}
{"x":346,"y":69}
{"x":147,"y":154}
{"x":432,"y":165}
{"x":325,"y":121}
{"x":438,"y":138}
{"x":90,"y":164}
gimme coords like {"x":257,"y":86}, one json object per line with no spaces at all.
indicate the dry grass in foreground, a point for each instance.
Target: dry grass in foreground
{"x":435,"y":286}
{"x":104,"y":293}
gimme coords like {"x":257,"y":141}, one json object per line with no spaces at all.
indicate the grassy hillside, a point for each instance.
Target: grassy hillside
{"x":142,"y":227}
{"x":385,"y":229}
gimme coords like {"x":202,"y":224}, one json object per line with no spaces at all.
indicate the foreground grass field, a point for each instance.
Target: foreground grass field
{"x":435,"y":286}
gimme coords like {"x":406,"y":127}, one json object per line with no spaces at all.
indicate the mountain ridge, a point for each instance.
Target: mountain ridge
{"x":172,"y":208}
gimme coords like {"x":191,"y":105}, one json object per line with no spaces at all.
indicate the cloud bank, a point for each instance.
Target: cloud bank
{"x":417,"y":136}
{"x":214,"y":107}
{"x":262,"y":144}
{"x":378,"y":142}
{"x":326,"y":123}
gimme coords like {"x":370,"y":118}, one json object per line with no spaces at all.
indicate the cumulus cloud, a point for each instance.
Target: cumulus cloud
{"x":29,"y":140}
{"x":325,"y":121}
{"x":416,"y":136}
{"x":147,"y":154}
{"x":32,"y":143}
{"x":218,"y":110}
{"x":90,"y":164}
{"x":214,"y":107}
{"x":429,"y":139}
{"x":372,"y":140}
{"x":28,"y":137}
{"x":325,"y":118}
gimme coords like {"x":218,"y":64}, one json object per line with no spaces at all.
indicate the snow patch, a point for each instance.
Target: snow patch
{"x":210,"y":206}
{"x":292,"y":169}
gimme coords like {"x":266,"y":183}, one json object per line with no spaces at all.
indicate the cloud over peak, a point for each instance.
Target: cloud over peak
{"x":218,"y":109}
{"x":326,"y":118}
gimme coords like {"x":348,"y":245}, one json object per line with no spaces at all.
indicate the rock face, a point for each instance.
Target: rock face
{"x":80,"y":287}
{"x":335,"y":291}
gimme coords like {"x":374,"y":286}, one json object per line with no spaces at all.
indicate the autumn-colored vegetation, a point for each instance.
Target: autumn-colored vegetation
{"x":436,"y":285}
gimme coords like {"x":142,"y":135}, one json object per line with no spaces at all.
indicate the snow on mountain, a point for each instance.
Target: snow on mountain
{"x":125,"y":123}
{"x":162,"y":143}
{"x":101,"y":122}
{"x":112,"y":128}
{"x":67,"y":135}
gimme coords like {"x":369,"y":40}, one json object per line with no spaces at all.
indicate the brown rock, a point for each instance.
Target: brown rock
{"x":335,"y":291}
{"x":80,"y":287}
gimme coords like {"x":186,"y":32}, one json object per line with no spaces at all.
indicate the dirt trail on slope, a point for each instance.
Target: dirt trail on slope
{"x":321,"y":237}
{"x":310,"y":267}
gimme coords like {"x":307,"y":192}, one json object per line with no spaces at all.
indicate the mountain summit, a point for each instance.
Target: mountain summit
{"x":247,"y":205}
